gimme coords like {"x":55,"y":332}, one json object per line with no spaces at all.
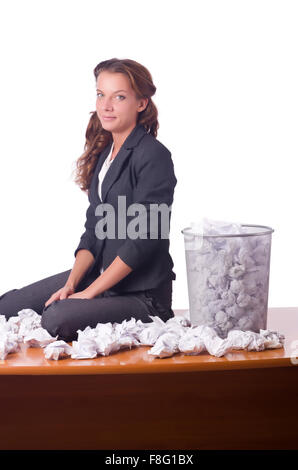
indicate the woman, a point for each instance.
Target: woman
{"x":125,"y":270}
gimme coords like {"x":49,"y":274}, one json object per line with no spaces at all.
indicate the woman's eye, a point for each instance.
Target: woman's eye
{"x":121,"y":96}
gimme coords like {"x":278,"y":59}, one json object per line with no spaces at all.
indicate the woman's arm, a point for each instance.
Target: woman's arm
{"x":154,"y":191}
{"x":88,"y":240}
{"x":84,"y":260}
{"x":85,"y":252}
{"x":111,"y":276}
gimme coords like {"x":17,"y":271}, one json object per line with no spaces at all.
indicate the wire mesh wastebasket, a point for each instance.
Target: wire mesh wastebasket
{"x":228,"y":278}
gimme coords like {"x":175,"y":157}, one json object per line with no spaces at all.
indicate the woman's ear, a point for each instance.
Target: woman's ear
{"x":143,"y":104}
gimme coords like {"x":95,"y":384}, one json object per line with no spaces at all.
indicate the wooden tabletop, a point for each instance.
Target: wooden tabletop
{"x":31,"y":361}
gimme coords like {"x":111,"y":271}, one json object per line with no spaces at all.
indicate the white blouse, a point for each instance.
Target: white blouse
{"x":106,"y":165}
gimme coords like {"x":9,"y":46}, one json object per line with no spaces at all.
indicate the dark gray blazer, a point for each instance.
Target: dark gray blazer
{"x":143,"y":171}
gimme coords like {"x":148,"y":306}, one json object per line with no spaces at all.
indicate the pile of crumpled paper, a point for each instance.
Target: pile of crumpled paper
{"x":176,"y":335}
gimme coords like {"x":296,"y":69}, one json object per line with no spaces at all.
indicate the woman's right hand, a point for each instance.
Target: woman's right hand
{"x":61,"y":294}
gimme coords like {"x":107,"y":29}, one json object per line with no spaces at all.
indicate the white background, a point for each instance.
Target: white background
{"x":226,"y":76}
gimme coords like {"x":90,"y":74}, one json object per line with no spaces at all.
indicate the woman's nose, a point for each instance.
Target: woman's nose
{"x":107,"y":104}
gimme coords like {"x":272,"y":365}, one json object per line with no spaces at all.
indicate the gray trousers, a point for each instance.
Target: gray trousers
{"x":65,"y":317}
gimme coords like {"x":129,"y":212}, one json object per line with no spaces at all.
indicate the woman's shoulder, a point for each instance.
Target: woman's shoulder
{"x":150,"y":145}
{"x":151,"y":154}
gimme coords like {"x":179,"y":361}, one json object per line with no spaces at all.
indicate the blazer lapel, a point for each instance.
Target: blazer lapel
{"x":114,"y":171}
{"x":93,"y":191}
{"x":125,"y":150}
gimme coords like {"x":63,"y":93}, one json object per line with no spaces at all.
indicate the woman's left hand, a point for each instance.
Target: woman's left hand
{"x":80,"y":295}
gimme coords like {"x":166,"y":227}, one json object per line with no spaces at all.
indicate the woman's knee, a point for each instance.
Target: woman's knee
{"x":8,"y":304}
{"x":55,"y":321}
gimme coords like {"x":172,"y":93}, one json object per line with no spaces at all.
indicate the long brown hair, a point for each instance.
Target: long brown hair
{"x":96,"y":137}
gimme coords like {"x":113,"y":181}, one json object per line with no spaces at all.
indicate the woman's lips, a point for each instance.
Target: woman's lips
{"x":108,"y":118}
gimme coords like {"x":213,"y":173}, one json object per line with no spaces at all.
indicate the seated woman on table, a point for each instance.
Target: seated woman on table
{"x":122,"y":267}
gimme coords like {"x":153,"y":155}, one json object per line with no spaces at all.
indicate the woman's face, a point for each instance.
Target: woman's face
{"x":116,"y":99}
